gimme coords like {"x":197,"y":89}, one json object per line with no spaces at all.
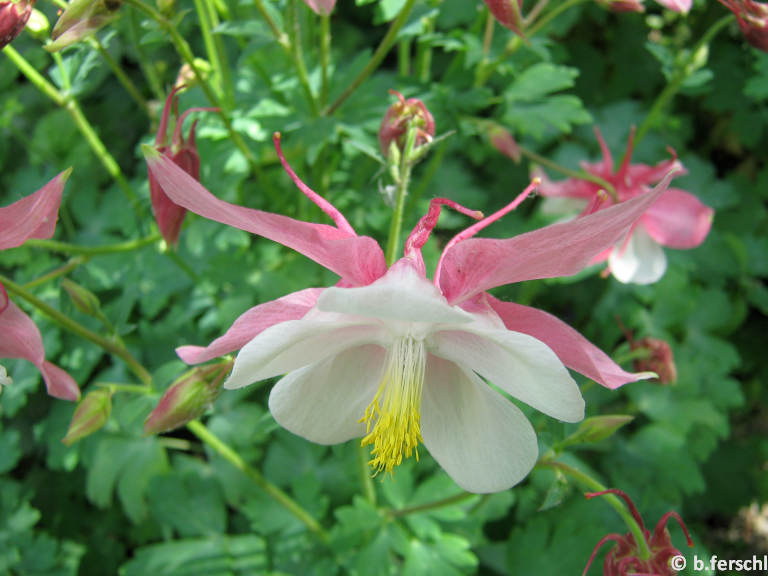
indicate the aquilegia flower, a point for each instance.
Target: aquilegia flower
{"x":508,"y":13}
{"x":31,"y":217}
{"x":678,"y":220}
{"x":753,"y":20}
{"x":168,"y":215}
{"x":399,"y":360}
{"x":624,"y":559}
{"x":13,"y":17}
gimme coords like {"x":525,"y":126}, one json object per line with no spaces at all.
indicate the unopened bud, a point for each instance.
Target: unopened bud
{"x":83,"y":299}
{"x":166,"y":7}
{"x":597,"y":429}
{"x":80,"y":19}
{"x":502,"y":140}
{"x":659,"y":359}
{"x":38,"y":24}
{"x":401,"y":117}
{"x":91,"y":414}
{"x":509,"y":13}
{"x":13,"y":18}
{"x":187,"y":398}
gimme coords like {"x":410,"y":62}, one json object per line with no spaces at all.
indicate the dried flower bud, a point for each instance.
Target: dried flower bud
{"x":83,"y":299}
{"x":659,"y":359}
{"x":91,"y":414}
{"x":187,"y":398}
{"x":80,"y":19}
{"x":13,"y":18}
{"x":400,"y":117}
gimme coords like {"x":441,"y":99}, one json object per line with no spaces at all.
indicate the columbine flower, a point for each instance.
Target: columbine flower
{"x":399,"y":360}
{"x":13,"y":18}
{"x":624,"y":558}
{"x":753,"y":21}
{"x":678,"y":220}
{"x":401,"y":116}
{"x":509,"y":13}
{"x":168,"y":215}
{"x":322,"y":7}
{"x":31,"y":217}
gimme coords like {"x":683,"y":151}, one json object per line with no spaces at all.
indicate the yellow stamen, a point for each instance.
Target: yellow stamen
{"x":393,"y":416}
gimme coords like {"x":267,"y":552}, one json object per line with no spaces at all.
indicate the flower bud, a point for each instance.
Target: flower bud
{"x":402,"y":116}
{"x":166,"y":7}
{"x":80,"y":19}
{"x":597,"y":429}
{"x":502,"y":140}
{"x":83,"y":299}
{"x":753,"y":21}
{"x":187,"y":398}
{"x":509,"y":13}
{"x":91,"y":414}
{"x":659,"y":359}
{"x":321,"y":7}
{"x":13,"y":18}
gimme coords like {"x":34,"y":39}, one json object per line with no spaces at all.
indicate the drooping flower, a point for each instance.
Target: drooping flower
{"x":170,"y":216}
{"x":31,"y":217}
{"x":508,"y":13}
{"x":753,"y":21}
{"x":401,"y":116}
{"x":13,"y":18}
{"x":678,"y":220}
{"x":625,"y":559}
{"x":399,"y":360}
{"x":321,"y":7}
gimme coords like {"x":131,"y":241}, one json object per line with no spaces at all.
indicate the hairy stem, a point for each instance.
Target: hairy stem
{"x":461,"y":497}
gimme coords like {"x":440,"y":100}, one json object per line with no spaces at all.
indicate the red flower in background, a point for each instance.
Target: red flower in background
{"x":170,"y":216}
{"x":31,"y":217}
{"x":624,"y":559}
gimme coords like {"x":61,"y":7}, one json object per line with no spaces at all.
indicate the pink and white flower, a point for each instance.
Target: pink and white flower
{"x":31,"y":217}
{"x":399,"y":360}
{"x":753,"y":21}
{"x":678,"y":220}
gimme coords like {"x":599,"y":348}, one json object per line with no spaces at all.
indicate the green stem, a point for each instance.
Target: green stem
{"x":218,"y":40}
{"x":77,"y":328}
{"x":60,"y":271}
{"x":580,"y":174}
{"x":209,"y":438}
{"x":364,"y":473}
{"x":280,"y":36}
{"x":64,"y":248}
{"x":121,"y":76}
{"x":461,"y":497}
{"x":404,"y":57}
{"x":404,"y":178}
{"x":185,"y":52}
{"x":129,"y":388}
{"x":297,"y":55}
{"x":378,"y":56}
{"x":613,"y":500}
{"x":325,"y":57}
{"x":480,"y":74}
{"x":424,"y":53}
{"x":69,"y":103}
{"x":680,"y":76}
{"x":210,"y":46}
{"x":551,"y":15}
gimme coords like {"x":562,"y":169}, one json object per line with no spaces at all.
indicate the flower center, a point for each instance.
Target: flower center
{"x":393,"y":416}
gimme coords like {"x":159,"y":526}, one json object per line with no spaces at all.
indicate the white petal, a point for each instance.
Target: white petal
{"x":482,"y":440}
{"x":5,"y":380}
{"x":401,"y":294}
{"x":519,"y":364}
{"x":324,"y":402}
{"x":641,"y":261}
{"x":287,"y":346}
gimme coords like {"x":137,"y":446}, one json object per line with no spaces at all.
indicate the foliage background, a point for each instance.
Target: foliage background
{"x":118,"y":502}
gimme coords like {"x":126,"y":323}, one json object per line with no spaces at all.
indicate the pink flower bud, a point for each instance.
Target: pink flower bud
{"x":659,"y":359}
{"x":509,"y":13}
{"x":83,"y":299}
{"x":90,"y":415}
{"x":187,"y":398}
{"x":625,"y":559}
{"x":13,"y":18}
{"x":402,"y":115}
{"x":322,"y":7}
{"x":168,"y":215}
{"x":753,"y":21}
{"x":502,"y":140}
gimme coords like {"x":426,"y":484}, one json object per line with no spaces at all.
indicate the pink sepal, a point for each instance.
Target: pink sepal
{"x":250,"y":324}
{"x":678,"y":220}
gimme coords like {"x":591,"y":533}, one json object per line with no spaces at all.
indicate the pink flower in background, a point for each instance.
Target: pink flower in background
{"x":13,"y":18}
{"x":678,"y":220}
{"x":624,"y":558}
{"x":399,"y":360}
{"x":31,"y":217}
{"x":168,"y":215}
{"x":753,"y":21}
{"x":509,"y":13}
{"x":322,"y":7}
